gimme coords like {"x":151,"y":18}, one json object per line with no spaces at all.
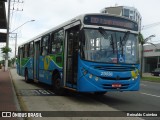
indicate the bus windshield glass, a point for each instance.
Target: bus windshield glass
{"x":110,"y":46}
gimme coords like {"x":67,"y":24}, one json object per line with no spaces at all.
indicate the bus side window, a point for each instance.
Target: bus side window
{"x":26,"y":50}
{"x":44,"y":45}
{"x":57,"y":42}
{"x":31,"y":49}
{"x":18,"y":56}
{"x":22,"y":52}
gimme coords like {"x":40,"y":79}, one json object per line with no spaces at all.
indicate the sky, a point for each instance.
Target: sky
{"x":50,"y":13}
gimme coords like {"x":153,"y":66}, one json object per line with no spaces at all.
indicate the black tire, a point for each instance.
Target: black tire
{"x":26,"y":76}
{"x":100,"y":93}
{"x":57,"y":85}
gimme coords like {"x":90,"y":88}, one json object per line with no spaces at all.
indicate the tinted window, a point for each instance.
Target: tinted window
{"x":126,"y":12}
{"x":44,"y":45}
{"x":57,"y":41}
{"x":157,"y":70}
{"x":26,"y":50}
{"x":31,"y":49}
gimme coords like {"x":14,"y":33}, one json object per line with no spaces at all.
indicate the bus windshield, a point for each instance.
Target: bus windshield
{"x":110,"y":46}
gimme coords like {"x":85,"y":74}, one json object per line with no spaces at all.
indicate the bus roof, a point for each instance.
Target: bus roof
{"x":80,"y":17}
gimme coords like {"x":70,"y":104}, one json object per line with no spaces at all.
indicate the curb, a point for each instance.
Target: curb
{"x":16,"y":100}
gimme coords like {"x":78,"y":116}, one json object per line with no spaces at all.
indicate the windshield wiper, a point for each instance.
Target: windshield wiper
{"x":124,"y":40}
{"x":125,"y":37}
{"x":112,"y":43}
{"x":103,"y":32}
{"x":105,"y":35}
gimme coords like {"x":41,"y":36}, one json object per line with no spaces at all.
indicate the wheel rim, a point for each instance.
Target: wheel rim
{"x":57,"y":83}
{"x":26,"y":76}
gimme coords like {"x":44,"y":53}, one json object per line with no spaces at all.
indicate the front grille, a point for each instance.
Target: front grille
{"x":115,"y":68}
{"x":115,"y":78}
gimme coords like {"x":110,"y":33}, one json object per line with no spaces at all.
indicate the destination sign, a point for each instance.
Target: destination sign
{"x":111,"y":21}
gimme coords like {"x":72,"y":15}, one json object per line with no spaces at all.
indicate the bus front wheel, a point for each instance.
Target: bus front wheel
{"x":26,"y":76}
{"x":57,"y":85}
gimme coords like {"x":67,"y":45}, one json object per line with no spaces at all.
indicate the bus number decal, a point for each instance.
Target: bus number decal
{"x":107,"y":74}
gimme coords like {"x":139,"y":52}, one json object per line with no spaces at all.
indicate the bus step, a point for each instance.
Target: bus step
{"x":36,"y":81}
{"x":70,"y":88}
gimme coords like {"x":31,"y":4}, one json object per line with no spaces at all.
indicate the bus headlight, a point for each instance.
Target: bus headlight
{"x":90,"y":76}
{"x":96,"y":78}
{"x":84,"y":71}
{"x":134,"y":74}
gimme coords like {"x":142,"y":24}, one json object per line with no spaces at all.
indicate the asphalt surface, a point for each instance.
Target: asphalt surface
{"x":147,"y":99}
{"x":39,"y":97}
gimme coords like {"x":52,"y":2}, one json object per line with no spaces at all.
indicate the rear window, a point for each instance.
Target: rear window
{"x":157,"y":70}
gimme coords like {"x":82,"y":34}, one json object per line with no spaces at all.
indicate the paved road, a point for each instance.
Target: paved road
{"x":37,"y":97}
{"x":147,"y":99}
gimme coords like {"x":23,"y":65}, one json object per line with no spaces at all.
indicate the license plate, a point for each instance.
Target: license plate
{"x":116,"y":85}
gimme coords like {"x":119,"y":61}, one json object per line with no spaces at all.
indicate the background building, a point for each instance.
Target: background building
{"x":151,"y":53}
{"x":151,"y":57}
{"x":3,"y":21}
{"x":129,"y":12}
{"x":3,"y":25}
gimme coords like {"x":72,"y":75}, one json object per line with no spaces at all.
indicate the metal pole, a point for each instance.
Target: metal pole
{"x":15,"y":44}
{"x":22,"y":25}
{"x":7,"y":41}
{"x":16,"y":35}
{"x":158,"y":62}
{"x":15,"y":49}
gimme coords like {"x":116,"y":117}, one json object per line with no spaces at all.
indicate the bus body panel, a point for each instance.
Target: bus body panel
{"x":92,"y":79}
{"x":91,"y":76}
{"x":47,"y":64}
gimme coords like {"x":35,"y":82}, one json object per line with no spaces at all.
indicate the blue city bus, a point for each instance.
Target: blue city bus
{"x":95,"y":53}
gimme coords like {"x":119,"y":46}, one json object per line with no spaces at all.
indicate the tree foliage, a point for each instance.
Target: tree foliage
{"x":6,"y":50}
{"x":143,"y":41}
{"x":141,"y":38}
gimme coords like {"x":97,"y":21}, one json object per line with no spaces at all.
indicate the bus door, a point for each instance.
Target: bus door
{"x":71,"y":57}
{"x":36,"y":60}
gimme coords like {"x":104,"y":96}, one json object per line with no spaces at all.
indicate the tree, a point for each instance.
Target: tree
{"x":143,"y":41}
{"x":13,"y":60}
{"x":5,"y":50}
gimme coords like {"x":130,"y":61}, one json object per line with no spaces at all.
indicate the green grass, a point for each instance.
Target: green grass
{"x":151,"y":79}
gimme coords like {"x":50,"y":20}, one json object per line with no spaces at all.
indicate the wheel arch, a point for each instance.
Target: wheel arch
{"x":25,"y":69}
{"x":57,"y":82}
{"x":26,"y":74}
{"x":54,"y":73}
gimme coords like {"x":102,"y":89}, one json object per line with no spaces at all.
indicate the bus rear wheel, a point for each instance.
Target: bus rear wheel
{"x":26,"y":76}
{"x":57,"y":85}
